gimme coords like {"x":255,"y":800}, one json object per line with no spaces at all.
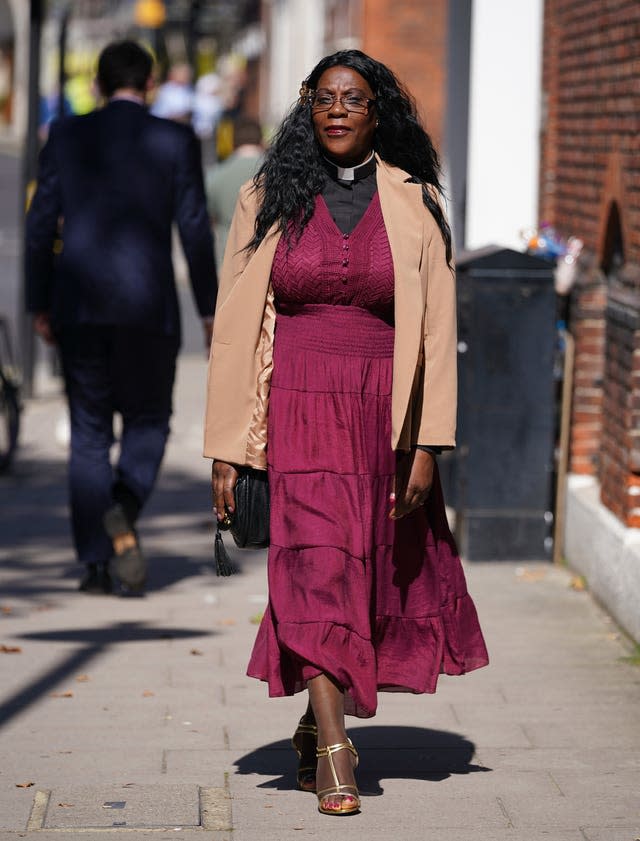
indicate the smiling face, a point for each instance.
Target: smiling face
{"x":346,"y":137}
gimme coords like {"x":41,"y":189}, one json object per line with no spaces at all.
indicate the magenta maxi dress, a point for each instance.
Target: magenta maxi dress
{"x":379,"y":605}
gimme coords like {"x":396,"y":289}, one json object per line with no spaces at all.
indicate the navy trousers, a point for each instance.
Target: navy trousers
{"x":109,"y":369}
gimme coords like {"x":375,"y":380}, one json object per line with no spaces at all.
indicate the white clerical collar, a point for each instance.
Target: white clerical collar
{"x":351,"y":173}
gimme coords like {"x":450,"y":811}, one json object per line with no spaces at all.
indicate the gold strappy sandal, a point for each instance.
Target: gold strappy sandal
{"x":306,"y":773}
{"x":339,"y":788}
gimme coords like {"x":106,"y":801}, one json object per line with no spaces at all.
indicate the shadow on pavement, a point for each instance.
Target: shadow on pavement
{"x":36,"y":549}
{"x":406,"y":753}
{"x":95,"y":641}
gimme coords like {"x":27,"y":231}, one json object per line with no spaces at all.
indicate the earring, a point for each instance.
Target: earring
{"x":305,"y":94}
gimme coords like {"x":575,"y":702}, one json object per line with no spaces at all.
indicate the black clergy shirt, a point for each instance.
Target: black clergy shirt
{"x":347,"y":200}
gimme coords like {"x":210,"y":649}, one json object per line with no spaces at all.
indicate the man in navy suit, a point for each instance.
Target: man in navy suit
{"x":100,"y":285}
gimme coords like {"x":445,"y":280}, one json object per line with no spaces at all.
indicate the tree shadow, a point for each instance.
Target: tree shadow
{"x":386,"y":752}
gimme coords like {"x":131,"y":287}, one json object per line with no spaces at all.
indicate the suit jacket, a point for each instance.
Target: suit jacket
{"x":424,"y":363}
{"x":118,"y":178}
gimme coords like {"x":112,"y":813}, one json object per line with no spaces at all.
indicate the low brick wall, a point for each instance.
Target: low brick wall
{"x":590,"y":188}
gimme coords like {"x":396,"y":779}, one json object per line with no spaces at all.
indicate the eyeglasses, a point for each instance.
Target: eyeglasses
{"x":325,"y":101}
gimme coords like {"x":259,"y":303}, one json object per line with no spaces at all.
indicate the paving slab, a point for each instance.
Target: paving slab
{"x":197,"y":765}
{"x":15,"y":804}
{"x":402,"y":826}
{"x":24,"y":760}
{"x":611,"y":833}
{"x":114,"y":833}
{"x":103,"y":807}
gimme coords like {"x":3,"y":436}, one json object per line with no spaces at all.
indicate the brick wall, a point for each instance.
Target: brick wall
{"x":410,"y":36}
{"x":620,"y":470}
{"x":590,"y":187}
{"x":588,"y":326}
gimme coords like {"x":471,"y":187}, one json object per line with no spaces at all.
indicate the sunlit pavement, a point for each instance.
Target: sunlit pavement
{"x":133,"y":717}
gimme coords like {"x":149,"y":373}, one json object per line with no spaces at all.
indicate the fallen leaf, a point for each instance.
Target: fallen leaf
{"x":578,"y":582}
{"x":530,"y":575}
{"x":196,"y":652}
{"x":148,"y":693}
{"x":256,"y":619}
{"x":10,"y":649}
{"x":226,"y":622}
{"x":62,"y":694}
{"x":83,"y":678}
{"x":6,"y":609}
{"x":24,"y":785}
{"x":66,"y":805}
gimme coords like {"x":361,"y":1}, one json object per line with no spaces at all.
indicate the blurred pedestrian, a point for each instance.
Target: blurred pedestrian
{"x":110,"y":184}
{"x":207,"y":106}
{"x":175,"y":97}
{"x":337,"y":313}
{"x":223,"y":180}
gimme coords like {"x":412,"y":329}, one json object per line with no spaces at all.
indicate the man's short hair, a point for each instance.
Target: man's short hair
{"x":246,"y":131}
{"x":123,"y":64}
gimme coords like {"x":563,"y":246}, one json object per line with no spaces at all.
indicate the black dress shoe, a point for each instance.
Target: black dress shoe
{"x":129,"y":563}
{"x":96,"y":580}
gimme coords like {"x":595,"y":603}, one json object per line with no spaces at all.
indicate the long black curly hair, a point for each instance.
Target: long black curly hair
{"x":292,"y":174}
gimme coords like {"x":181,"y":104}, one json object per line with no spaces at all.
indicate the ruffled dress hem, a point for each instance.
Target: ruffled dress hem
{"x":287,"y":655}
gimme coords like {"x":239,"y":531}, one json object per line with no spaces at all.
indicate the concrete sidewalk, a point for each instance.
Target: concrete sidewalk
{"x":133,"y":717}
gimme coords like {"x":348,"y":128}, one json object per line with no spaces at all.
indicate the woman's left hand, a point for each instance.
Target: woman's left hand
{"x":414,"y":477}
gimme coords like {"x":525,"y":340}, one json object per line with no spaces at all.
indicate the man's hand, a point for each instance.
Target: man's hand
{"x":42,"y":326}
{"x":414,"y":477}
{"x":223,"y":480}
{"x":207,"y":326}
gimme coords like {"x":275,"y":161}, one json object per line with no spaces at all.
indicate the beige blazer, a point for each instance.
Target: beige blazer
{"x":424,"y":360}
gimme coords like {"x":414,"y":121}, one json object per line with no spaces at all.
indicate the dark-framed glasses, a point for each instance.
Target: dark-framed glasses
{"x":323,"y":101}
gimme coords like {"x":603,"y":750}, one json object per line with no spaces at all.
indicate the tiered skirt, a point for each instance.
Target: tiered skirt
{"x":379,"y":605}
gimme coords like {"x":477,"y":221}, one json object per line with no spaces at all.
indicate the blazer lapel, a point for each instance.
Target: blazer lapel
{"x":402,"y":210}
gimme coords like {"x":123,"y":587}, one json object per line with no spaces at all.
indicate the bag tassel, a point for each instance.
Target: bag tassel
{"x":223,"y":561}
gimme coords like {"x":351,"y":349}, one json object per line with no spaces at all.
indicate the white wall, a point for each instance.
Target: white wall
{"x":503,"y":161}
{"x":296,"y":42}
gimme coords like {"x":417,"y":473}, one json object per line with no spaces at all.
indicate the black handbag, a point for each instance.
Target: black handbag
{"x":249,"y":524}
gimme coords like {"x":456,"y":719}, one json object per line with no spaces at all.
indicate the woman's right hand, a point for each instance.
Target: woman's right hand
{"x":223,"y":480}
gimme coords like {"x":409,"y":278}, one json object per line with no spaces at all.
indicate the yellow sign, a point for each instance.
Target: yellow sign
{"x":150,"y":13}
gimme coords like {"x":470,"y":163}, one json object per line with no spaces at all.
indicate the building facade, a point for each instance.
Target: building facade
{"x":482,"y":114}
{"x":590,"y":188}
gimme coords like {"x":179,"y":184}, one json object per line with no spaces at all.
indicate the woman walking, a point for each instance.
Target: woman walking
{"x":333,"y":366}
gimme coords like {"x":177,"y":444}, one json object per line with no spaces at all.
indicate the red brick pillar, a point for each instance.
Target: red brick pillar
{"x":587,"y":324}
{"x":620,"y":473}
{"x":410,"y":36}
